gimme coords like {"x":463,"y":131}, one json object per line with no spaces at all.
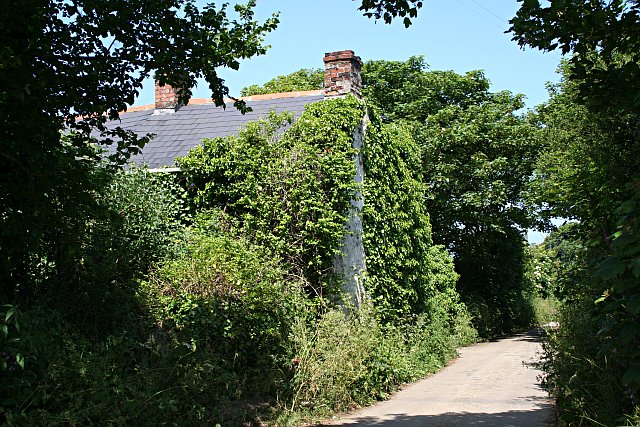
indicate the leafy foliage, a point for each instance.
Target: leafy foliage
{"x":59,"y":59}
{"x":391,"y":9}
{"x":134,"y":222}
{"x":405,"y":90}
{"x":404,"y":269}
{"x":495,"y":282}
{"x":304,"y":79}
{"x":212,"y":328}
{"x":479,"y":160}
{"x":79,"y":319}
{"x":603,"y":37}
{"x":587,"y":173}
{"x":477,"y":157}
{"x":228,"y":301}
{"x":585,"y":166}
{"x":347,"y":361}
{"x":291,"y":191}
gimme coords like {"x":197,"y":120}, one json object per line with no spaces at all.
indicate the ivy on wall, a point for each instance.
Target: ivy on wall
{"x":404,"y":269}
{"x":291,"y":190}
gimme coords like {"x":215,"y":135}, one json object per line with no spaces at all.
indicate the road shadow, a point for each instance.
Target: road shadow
{"x":533,"y":335}
{"x":536,"y":335}
{"x":540,"y":417}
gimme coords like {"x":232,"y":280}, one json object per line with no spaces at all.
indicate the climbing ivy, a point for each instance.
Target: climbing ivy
{"x":404,"y":270}
{"x":289,"y":191}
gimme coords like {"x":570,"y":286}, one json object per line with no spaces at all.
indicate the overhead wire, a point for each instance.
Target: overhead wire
{"x":482,"y":15}
{"x":490,"y":11}
{"x":493,"y":21}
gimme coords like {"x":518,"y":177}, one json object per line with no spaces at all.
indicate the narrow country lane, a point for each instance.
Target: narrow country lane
{"x":491,"y":384}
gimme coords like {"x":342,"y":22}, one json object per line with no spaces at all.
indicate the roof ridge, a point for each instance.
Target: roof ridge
{"x":264,"y":97}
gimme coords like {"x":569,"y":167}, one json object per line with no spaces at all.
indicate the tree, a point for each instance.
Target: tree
{"x":478,"y":153}
{"x":588,"y":172}
{"x":478,"y":162}
{"x":304,"y":79}
{"x":391,"y":9}
{"x":477,"y":159}
{"x":587,"y":160}
{"x":602,"y":37}
{"x":594,"y":178}
{"x":405,"y":90}
{"x":69,"y":66}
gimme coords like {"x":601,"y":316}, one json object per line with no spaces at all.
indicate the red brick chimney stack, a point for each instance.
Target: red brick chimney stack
{"x":166,"y":98}
{"x":342,"y":75}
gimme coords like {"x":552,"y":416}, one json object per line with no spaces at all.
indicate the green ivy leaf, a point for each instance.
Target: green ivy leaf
{"x":20,"y":360}
{"x":610,"y":268}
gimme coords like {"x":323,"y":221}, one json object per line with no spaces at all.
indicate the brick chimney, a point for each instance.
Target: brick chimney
{"x":166,"y":99}
{"x":342,"y":75}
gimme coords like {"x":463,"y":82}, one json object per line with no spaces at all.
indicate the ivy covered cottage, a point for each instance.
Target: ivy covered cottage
{"x":177,"y":129}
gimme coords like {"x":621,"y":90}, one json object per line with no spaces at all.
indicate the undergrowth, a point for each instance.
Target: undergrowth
{"x":346,"y":362}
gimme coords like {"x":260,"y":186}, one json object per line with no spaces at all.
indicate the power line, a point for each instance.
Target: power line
{"x":490,"y":11}
{"x":485,"y":17}
{"x":492,"y":21}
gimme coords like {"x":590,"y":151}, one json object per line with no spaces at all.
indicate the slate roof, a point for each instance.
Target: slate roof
{"x":178,"y":132}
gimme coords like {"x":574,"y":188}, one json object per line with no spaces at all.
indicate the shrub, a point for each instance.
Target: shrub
{"x":344,"y":362}
{"x":227,"y":301}
{"x":586,"y":381}
{"x":135,"y":218}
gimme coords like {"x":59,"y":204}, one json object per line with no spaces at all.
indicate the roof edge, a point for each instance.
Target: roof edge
{"x":265,"y":97}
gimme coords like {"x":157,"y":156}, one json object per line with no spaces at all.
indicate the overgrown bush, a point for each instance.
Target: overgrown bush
{"x":592,"y":359}
{"x":288,"y":191}
{"x":213,"y":334}
{"x":134,"y":219}
{"x":208,"y":324}
{"x":78,"y":322}
{"x":587,"y":381}
{"x":227,"y":302}
{"x":344,"y":362}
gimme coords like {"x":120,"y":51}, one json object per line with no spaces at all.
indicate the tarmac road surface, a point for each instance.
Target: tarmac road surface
{"x":492,"y":384}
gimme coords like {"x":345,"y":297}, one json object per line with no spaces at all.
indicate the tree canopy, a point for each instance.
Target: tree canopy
{"x":70,"y":67}
{"x":304,"y":79}
{"x":602,"y":37}
{"x":478,"y":153}
{"x":391,"y":9}
{"x":589,"y":171}
{"x":406,"y":90}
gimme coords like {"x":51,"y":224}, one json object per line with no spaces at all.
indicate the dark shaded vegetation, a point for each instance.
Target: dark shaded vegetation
{"x":180,"y":298}
{"x":589,"y":173}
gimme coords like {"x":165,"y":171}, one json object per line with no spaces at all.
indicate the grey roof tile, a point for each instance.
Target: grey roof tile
{"x":177,"y":133}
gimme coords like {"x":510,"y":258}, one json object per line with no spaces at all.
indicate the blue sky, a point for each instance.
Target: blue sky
{"x":459,"y":35}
